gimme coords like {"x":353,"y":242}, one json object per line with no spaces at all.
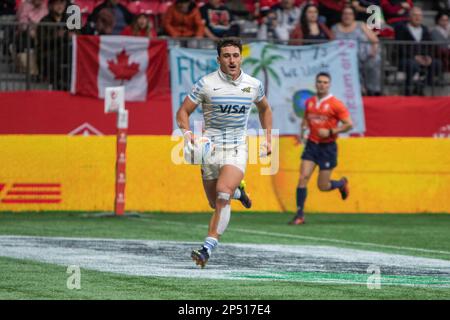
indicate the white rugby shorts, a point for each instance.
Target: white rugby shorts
{"x":236,"y":156}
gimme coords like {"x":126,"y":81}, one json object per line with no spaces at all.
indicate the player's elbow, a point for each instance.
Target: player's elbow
{"x":349,"y":126}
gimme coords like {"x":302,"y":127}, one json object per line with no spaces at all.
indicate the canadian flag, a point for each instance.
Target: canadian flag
{"x":137,"y":63}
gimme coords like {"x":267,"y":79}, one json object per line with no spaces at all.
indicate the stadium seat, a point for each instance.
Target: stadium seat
{"x":86,"y":6}
{"x":200,"y":3}
{"x":264,"y":4}
{"x":267,"y":4}
{"x":98,"y":2}
{"x":147,"y":7}
{"x":19,"y":2}
{"x":164,"y":5}
{"x":250,"y":5}
{"x":124,"y":2}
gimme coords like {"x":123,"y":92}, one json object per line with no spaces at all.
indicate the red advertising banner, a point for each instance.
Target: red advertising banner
{"x":407,"y":116}
{"x":43,"y":112}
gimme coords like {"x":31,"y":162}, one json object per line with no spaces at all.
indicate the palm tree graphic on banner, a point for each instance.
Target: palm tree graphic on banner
{"x":264,"y":64}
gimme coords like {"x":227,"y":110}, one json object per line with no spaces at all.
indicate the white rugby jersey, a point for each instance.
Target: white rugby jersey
{"x":226,"y":105}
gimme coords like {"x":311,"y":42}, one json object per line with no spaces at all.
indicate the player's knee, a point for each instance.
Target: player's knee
{"x":303,"y":180}
{"x":223,"y":194}
{"x":323,"y":186}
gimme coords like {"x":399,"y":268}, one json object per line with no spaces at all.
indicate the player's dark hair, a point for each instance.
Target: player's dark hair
{"x":323,"y":74}
{"x":226,"y":42}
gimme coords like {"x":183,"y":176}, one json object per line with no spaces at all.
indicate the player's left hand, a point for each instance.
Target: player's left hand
{"x":324,"y":133}
{"x":269,"y":148}
{"x":265,"y":149}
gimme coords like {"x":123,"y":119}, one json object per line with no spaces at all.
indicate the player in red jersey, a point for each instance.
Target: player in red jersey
{"x":322,"y":116}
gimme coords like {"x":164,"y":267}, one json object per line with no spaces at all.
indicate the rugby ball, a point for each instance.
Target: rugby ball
{"x":199,"y":151}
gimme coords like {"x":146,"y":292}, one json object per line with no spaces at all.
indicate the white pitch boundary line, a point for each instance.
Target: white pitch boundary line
{"x":294,"y":236}
{"x":340,"y":241}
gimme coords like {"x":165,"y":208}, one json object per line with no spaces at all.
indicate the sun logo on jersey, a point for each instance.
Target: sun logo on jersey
{"x":248,"y":89}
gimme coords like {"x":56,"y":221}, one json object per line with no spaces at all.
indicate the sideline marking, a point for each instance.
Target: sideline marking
{"x":284,"y":235}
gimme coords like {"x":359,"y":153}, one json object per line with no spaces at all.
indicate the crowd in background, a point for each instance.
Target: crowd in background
{"x":296,"y":22}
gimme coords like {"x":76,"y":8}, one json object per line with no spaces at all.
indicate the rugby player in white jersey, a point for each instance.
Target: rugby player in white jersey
{"x":226,"y":96}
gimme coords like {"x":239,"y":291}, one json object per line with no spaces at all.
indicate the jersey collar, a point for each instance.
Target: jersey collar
{"x":228,"y":79}
{"x":319,"y":101}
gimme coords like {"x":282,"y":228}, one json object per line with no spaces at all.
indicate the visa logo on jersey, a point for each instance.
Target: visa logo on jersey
{"x":228,"y":108}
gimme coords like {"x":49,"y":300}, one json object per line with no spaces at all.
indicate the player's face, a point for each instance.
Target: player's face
{"x":230,"y":60}
{"x":322,"y":85}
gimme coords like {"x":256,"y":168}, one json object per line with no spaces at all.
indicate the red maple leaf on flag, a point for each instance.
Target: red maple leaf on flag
{"x":122,"y":70}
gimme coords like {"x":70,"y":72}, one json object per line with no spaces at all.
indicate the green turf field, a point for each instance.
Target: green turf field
{"x":259,"y":257}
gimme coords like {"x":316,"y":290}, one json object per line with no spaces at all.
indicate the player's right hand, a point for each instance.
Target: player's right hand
{"x":188,"y":137}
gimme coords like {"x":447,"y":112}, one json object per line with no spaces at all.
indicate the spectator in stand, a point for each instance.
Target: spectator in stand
{"x":141,"y":27}
{"x":303,"y":3}
{"x":218,"y":20}
{"x":442,"y":6}
{"x":331,"y":10}
{"x":53,"y":44}
{"x":122,"y":16}
{"x":7,"y":7}
{"x":396,"y":12}
{"x":416,"y":60}
{"x":368,"y":50}
{"x":310,"y":28}
{"x":29,"y":14}
{"x":183,"y":19}
{"x":31,"y":11}
{"x":361,"y":8}
{"x":441,"y":33}
{"x":280,"y":21}
{"x":102,"y":25}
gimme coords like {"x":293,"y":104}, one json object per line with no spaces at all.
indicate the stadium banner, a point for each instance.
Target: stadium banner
{"x":80,"y":175}
{"x":288,"y":74}
{"x":59,"y":112}
{"x":137,"y":63}
{"x":407,"y":116}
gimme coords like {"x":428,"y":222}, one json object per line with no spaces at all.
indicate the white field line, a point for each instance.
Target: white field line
{"x":294,"y":236}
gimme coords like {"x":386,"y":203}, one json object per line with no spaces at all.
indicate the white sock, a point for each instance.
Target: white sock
{"x":210,"y":244}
